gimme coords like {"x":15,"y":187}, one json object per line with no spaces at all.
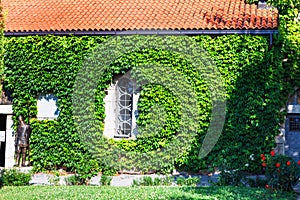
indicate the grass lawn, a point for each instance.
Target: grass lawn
{"x":146,"y":192}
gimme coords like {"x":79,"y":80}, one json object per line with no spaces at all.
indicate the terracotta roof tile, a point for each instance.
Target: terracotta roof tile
{"x":63,"y":15}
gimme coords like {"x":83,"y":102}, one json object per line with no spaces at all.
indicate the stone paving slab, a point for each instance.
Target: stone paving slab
{"x":121,"y":180}
{"x":40,"y":179}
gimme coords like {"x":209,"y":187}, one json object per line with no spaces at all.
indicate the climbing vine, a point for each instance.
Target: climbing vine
{"x":253,"y":78}
{"x":289,"y":40}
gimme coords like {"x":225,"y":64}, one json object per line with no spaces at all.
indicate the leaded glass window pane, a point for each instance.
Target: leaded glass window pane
{"x":124,"y":106}
{"x":295,"y":124}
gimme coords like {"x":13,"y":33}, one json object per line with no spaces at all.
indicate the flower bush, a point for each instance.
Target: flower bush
{"x":281,"y":171}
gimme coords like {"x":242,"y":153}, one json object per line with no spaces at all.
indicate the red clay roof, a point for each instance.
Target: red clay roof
{"x":97,"y":15}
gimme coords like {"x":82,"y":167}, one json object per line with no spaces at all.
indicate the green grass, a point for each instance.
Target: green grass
{"x":138,"y":193}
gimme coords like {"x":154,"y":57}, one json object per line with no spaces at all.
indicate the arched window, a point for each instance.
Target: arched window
{"x":124,"y":107}
{"x":121,"y":109}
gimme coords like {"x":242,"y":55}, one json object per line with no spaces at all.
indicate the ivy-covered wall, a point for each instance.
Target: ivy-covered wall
{"x":252,"y":73}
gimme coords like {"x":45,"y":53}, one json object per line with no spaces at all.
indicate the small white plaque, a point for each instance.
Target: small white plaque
{"x":2,"y":136}
{"x":47,"y":108}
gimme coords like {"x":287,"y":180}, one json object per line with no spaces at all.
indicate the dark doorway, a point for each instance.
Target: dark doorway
{"x":2,"y":143}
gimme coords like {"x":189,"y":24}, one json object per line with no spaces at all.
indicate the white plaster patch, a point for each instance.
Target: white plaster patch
{"x":46,"y":106}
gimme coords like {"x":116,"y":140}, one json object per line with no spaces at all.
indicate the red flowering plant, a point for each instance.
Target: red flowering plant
{"x":281,"y":171}
{"x":263,"y":162}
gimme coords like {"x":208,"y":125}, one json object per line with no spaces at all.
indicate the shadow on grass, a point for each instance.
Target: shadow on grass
{"x":230,"y":192}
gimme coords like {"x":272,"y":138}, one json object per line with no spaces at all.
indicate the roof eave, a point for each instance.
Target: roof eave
{"x":146,"y":32}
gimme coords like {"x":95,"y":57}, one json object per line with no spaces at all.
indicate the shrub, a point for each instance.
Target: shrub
{"x":149,"y":181}
{"x":54,"y":180}
{"x":257,"y":182}
{"x":156,"y":181}
{"x":105,"y":180}
{"x":180,"y":181}
{"x":190,"y":181}
{"x":166,"y":181}
{"x":281,"y":171}
{"x":231,"y":177}
{"x":74,"y":180}
{"x":13,"y":177}
{"x":135,"y":182}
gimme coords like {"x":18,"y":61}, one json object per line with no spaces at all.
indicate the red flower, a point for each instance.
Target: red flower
{"x":263,"y":158}
{"x":277,"y":164}
{"x":264,"y":164}
{"x":267,"y":186}
{"x":298,"y":162}
{"x":262,"y":155}
{"x":272,"y":153}
{"x":288,"y":163}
